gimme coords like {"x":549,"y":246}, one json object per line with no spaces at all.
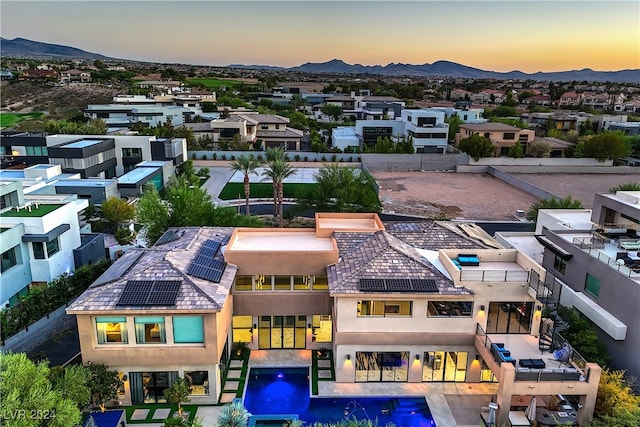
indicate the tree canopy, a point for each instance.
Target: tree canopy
{"x":552,"y":203}
{"x":331,"y":110}
{"x":341,"y":189}
{"x":117,"y":210}
{"x":104,"y":384}
{"x":477,"y":146}
{"x":607,"y":146}
{"x":26,"y":389}
{"x":616,"y":404}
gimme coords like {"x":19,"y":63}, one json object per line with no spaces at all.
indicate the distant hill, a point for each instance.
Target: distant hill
{"x":452,"y":69}
{"x":20,"y":47}
{"x":29,"y":49}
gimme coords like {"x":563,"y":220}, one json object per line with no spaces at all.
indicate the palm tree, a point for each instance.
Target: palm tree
{"x":277,"y":171}
{"x":247,"y":165}
{"x":272,"y":154}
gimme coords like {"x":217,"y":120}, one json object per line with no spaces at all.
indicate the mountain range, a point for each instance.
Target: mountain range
{"x":20,"y":47}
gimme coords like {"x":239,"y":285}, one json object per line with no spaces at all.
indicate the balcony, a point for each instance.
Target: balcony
{"x":614,"y":245}
{"x":529,"y":363}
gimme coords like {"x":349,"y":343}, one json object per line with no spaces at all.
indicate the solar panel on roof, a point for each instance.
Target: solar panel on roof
{"x":397,"y":285}
{"x":424,"y":285}
{"x":204,"y":266}
{"x":150,"y":292}
{"x":372,"y":285}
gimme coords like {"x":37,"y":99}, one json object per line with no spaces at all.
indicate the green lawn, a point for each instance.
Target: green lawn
{"x":12,"y":119}
{"x":41,"y":210}
{"x":214,"y":84}
{"x":235,"y":190}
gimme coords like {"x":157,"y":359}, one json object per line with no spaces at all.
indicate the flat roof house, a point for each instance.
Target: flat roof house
{"x":596,"y":257}
{"x":396,"y":302}
{"x":501,"y":135}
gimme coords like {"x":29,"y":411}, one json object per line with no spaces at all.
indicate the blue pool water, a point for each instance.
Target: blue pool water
{"x":286,"y":391}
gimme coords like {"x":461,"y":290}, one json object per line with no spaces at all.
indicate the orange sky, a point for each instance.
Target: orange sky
{"x":498,"y":35}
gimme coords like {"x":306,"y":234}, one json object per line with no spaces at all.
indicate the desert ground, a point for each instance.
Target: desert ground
{"x":481,"y":196}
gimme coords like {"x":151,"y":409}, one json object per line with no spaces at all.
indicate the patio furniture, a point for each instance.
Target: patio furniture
{"x":532,"y":363}
{"x":468,"y":260}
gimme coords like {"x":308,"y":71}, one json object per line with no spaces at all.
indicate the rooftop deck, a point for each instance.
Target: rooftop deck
{"x":276,"y":241}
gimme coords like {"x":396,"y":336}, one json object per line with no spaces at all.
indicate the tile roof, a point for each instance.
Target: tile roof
{"x":380,"y":256}
{"x":166,"y":261}
{"x":431,"y":235}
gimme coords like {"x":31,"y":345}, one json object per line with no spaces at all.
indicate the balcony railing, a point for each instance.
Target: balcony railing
{"x":493,"y":276}
{"x":622,"y":269}
{"x":577,"y":372}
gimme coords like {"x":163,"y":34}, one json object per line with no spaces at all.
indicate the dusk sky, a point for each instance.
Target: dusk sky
{"x":493,"y":35}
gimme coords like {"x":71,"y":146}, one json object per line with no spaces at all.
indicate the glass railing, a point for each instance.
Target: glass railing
{"x":604,"y":258}
{"x":493,"y":276}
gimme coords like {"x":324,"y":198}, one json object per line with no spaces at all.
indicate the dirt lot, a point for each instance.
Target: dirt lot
{"x":481,"y":196}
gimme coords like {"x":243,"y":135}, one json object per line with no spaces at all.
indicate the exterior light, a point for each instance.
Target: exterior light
{"x":482,"y":308}
{"x":417,"y":357}
{"x":348,"y":357}
{"x":477,"y":357}
{"x":539,"y":307}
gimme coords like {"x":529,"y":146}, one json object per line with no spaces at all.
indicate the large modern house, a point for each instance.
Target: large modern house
{"x":396,"y":302}
{"x":595,"y":255}
{"x":40,"y":236}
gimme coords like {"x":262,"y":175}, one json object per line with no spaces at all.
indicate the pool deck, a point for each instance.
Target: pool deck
{"x":451,"y":404}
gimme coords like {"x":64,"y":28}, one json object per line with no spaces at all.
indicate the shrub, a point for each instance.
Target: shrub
{"x":297,"y":157}
{"x":215,"y":156}
{"x":204,"y":157}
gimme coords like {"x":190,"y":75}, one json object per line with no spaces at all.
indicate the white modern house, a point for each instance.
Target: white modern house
{"x":39,"y":235}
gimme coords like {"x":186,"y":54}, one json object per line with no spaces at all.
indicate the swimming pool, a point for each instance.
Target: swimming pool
{"x":286,"y":391}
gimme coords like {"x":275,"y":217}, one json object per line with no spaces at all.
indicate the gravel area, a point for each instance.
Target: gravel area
{"x":481,"y":196}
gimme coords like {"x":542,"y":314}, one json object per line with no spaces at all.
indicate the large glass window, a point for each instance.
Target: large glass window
{"x":592,"y":285}
{"x":321,"y":328}
{"x":509,"y":317}
{"x":449,"y":309}
{"x":392,"y":366}
{"x":112,"y":330}
{"x":282,"y":283}
{"x":384,"y":308}
{"x":9,"y":259}
{"x":242,"y":328}
{"x":38,"y":250}
{"x":53,"y":247}
{"x":199,"y":382}
{"x":150,"y":330}
{"x":131,"y":152}
{"x":188,"y":329}
{"x":320,"y":283}
{"x":449,"y":366}
{"x":243,"y":283}
{"x":262,"y":282}
{"x":149,"y":387}
{"x":559,"y":264}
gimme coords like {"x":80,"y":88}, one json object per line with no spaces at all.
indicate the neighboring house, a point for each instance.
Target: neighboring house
{"x":39,"y":236}
{"x":345,"y":137}
{"x":628,"y":128}
{"x":388,"y":299}
{"x":631,"y":106}
{"x":502,"y":136}
{"x":569,"y":98}
{"x":557,"y":146}
{"x":23,"y":148}
{"x":368,"y":131}
{"x":265,"y":130}
{"x":122,"y":156}
{"x":39,"y":75}
{"x":123,"y":115}
{"x":89,"y":156}
{"x":597,"y":101}
{"x":539,"y":100}
{"x":75,"y":76}
{"x":460,"y":95}
{"x":132,"y":183}
{"x":427,"y":129}
{"x":6,"y":74}
{"x":595,"y":255}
